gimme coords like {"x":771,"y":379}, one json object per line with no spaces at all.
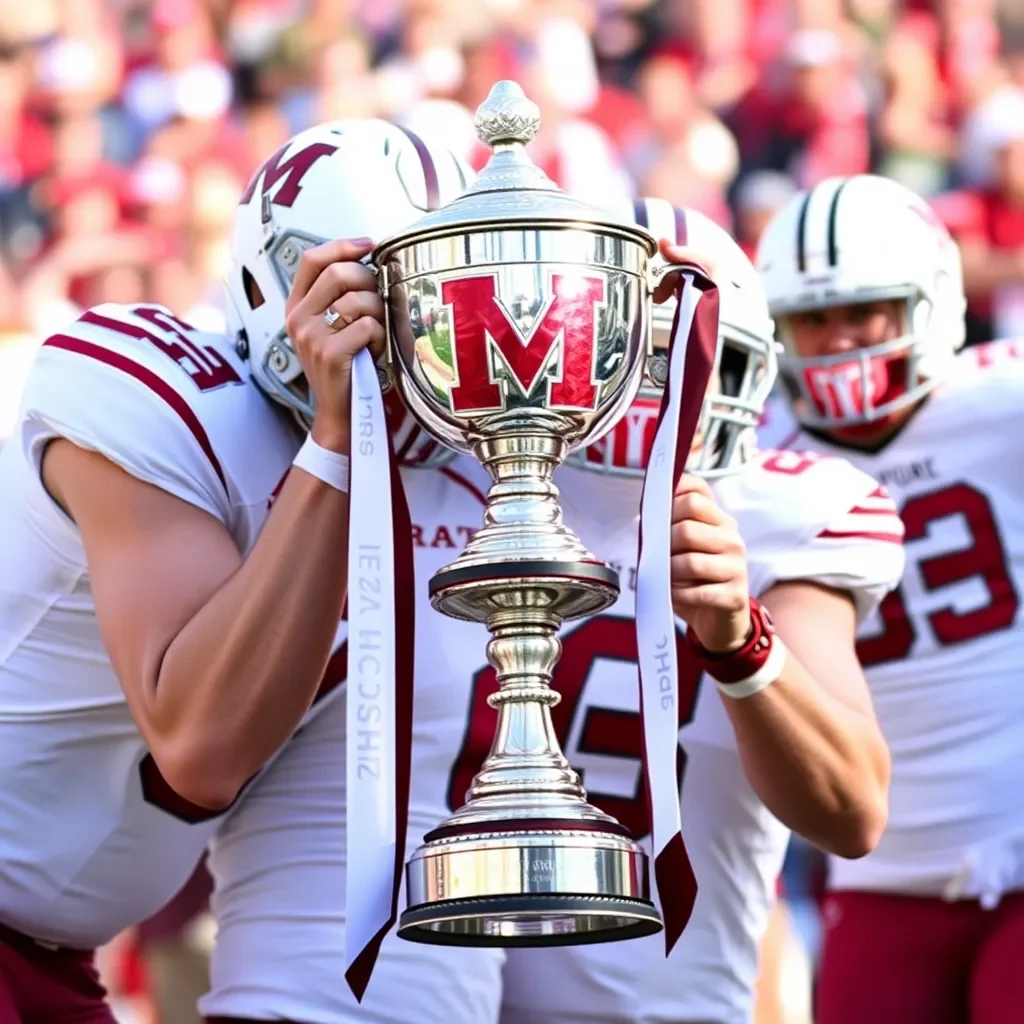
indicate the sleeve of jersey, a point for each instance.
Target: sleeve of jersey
{"x":859,"y":549}
{"x":103,"y":398}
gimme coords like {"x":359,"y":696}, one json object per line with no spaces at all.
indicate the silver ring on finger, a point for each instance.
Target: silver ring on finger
{"x":331,"y":317}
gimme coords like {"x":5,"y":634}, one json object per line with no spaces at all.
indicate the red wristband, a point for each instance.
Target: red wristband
{"x":737,"y":666}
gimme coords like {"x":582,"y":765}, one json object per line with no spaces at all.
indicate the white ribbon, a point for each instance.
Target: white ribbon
{"x":370,"y":825}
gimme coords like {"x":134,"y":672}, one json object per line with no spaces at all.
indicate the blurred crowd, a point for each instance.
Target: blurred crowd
{"x":128,"y":127}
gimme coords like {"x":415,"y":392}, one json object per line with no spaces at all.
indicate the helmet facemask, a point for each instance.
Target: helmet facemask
{"x":279,"y":364}
{"x":872,"y":384}
{"x":742,"y":376}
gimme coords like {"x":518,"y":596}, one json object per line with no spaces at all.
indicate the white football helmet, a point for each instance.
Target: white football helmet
{"x":354,"y":178}
{"x":745,"y":360}
{"x":855,"y":240}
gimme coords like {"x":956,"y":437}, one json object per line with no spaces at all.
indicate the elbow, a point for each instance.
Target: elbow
{"x":859,"y":826}
{"x":851,"y":822}
{"x":856,"y":830}
{"x":859,"y":834}
{"x":194,"y":779}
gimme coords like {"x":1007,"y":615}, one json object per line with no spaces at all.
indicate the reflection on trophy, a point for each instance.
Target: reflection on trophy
{"x":519,"y":321}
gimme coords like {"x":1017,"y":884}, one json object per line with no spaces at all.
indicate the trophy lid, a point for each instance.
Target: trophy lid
{"x":512,"y":188}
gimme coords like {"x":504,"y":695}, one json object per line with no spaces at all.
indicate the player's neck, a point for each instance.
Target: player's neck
{"x":869,"y":438}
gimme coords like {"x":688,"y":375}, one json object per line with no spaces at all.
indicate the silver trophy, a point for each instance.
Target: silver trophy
{"x":519,"y":321}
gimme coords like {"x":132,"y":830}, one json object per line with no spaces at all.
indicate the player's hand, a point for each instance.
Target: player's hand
{"x":330,"y":277}
{"x":686,"y":256}
{"x":709,"y":568}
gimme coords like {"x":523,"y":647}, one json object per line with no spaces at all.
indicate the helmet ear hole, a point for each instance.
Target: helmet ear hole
{"x":252,"y":289}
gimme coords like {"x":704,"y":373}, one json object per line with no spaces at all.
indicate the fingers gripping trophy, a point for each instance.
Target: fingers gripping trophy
{"x":519,"y":330}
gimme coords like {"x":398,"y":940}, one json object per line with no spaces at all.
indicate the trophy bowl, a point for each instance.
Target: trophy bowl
{"x":519,"y":324}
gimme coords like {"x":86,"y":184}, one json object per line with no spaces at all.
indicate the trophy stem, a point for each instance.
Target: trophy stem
{"x":523,"y":575}
{"x":526,"y":775}
{"x":522,"y":517}
{"x":524,"y":558}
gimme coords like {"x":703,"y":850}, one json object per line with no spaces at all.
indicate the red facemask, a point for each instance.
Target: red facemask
{"x":628,"y":444}
{"x":844,"y":390}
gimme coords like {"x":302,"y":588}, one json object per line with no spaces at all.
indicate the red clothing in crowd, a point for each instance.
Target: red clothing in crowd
{"x":983,"y":216}
{"x":26,"y":154}
{"x":782,"y":134}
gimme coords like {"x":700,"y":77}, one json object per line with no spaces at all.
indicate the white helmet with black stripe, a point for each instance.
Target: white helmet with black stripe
{"x":745,"y":359}
{"x":353,"y":178}
{"x":856,"y":240}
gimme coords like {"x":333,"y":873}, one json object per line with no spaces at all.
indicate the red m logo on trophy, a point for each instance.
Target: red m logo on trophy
{"x":480,"y":323}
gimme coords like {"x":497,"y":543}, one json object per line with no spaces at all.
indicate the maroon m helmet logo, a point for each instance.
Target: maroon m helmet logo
{"x":479,"y":323}
{"x":292,"y":171}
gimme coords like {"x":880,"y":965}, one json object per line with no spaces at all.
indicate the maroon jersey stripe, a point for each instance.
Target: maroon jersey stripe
{"x":156,"y":384}
{"x":891,"y":538}
{"x":463,"y":482}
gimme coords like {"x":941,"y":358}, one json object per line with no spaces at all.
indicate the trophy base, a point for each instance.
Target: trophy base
{"x":523,"y":921}
{"x":570,"y":590}
{"x":528,"y":883}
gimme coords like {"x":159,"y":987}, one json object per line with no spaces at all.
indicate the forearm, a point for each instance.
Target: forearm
{"x":821,"y":767}
{"x":236,"y":680}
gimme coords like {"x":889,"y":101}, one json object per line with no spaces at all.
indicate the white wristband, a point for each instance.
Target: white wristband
{"x":324,"y":464}
{"x":764,"y":676}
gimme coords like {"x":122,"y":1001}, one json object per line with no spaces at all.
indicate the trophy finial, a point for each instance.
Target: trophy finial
{"x":511,"y":188}
{"x":507,"y":115}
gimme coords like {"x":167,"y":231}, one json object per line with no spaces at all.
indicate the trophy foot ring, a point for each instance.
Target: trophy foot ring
{"x":570,"y":590}
{"x":516,"y":571}
{"x":517,"y":921}
{"x":540,"y":888}
{"x":453,"y":829}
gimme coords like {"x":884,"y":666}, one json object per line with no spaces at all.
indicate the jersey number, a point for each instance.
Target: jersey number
{"x":984,"y":560}
{"x":788,"y":462}
{"x":204,"y":366}
{"x":603,"y":731}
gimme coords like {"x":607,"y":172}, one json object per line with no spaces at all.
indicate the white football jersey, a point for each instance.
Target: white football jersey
{"x":91,"y":837}
{"x":279,"y":858}
{"x":802,"y":518}
{"x":944,"y":655}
